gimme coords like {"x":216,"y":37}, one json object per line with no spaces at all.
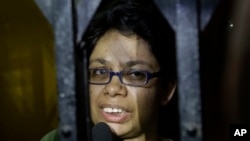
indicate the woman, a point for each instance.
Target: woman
{"x":131,"y":68}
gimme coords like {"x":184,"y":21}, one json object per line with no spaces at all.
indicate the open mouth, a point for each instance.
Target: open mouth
{"x":114,"y":114}
{"x":113,"y":110}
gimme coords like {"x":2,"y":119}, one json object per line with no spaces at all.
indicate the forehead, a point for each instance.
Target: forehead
{"x":115,"y":47}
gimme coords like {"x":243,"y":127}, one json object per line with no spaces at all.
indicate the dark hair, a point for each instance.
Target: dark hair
{"x":141,"y":18}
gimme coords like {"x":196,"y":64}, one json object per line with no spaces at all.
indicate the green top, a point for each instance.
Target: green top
{"x":51,"y":136}
{"x":54,"y":136}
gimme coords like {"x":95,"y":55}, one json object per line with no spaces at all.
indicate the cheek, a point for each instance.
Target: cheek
{"x":94,"y":93}
{"x":147,"y":102}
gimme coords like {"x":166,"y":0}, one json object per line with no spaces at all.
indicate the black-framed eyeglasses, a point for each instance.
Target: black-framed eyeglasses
{"x":130,"y":77}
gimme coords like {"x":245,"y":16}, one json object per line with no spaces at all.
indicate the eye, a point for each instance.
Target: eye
{"x":98,"y":72}
{"x":135,"y":75}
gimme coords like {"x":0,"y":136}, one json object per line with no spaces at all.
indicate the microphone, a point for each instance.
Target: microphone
{"x":102,"y":132}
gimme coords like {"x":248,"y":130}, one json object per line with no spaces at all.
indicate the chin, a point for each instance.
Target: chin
{"x":122,"y":131}
{"x":119,"y":129}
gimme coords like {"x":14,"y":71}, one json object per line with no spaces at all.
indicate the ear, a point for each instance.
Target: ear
{"x":168,"y":93}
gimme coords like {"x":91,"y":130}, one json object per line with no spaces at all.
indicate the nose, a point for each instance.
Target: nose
{"x":115,"y":88}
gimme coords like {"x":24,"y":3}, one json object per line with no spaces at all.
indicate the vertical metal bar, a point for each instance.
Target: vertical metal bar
{"x":59,"y":14}
{"x":85,"y":10}
{"x":69,"y":19}
{"x":187,"y":36}
{"x":48,"y":8}
{"x":168,"y":9}
{"x":188,"y":18}
{"x":207,"y":7}
{"x":186,"y":26}
{"x":65,"y":64}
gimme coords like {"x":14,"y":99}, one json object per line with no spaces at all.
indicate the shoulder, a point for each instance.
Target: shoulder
{"x":164,"y":139}
{"x":51,"y":136}
{"x":167,"y":140}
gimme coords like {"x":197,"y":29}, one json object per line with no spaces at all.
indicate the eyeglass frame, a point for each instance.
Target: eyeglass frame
{"x":149,"y":76}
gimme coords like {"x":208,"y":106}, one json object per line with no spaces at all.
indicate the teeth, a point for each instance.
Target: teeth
{"x":112,"y":110}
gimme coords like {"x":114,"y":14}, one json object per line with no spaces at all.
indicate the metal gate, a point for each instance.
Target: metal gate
{"x":69,"y":19}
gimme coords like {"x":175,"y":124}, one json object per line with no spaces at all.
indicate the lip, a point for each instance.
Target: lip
{"x":115,"y":118}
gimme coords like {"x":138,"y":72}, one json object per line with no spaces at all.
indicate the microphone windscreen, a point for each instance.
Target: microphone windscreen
{"x":102,"y":132}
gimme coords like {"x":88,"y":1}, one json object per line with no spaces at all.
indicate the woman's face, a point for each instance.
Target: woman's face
{"x":129,"y":111}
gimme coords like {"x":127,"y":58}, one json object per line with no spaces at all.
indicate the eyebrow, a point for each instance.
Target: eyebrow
{"x":137,"y":62}
{"x":99,"y":60}
{"x":126,"y":64}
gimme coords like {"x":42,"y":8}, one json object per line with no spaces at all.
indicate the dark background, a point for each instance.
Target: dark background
{"x":28,"y":107}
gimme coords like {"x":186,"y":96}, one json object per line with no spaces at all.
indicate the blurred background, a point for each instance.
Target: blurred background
{"x":28,"y":95}
{"x":28,"y":105}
